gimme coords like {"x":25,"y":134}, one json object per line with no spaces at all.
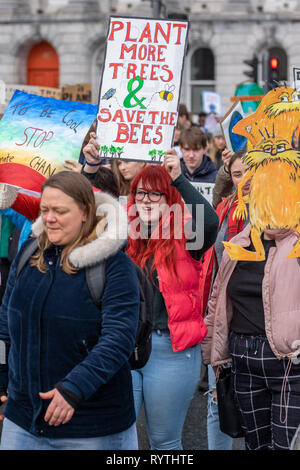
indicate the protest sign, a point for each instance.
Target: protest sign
{"x":140,"y":88}
{"x":296,"y":75}
{"x":234,"y":142}
{"x":81,"y":92}
{"x":33,"y":89}
{"x":211,"y":102}
{"x":206,"y":189}
{"x":37,"y":135}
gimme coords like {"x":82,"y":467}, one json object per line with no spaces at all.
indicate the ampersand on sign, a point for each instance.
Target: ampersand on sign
{"x":132,"y":93}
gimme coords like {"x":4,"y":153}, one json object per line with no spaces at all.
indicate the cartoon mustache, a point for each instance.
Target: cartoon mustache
{"x":256,"y":158}
{"x":275,"y":109}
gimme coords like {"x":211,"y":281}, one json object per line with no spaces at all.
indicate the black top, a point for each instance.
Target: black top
{"x":245,"y":291}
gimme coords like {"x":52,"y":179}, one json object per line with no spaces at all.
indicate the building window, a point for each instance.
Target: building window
{"x":280,"y":55}
{"x":202,"y":77}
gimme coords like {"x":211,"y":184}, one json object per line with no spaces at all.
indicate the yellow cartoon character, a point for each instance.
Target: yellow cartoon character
{"x":274,"y":170}
{"x":281,"y":106}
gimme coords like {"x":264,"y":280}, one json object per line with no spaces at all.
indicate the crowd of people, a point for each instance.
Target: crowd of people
{"x":66,"y":381}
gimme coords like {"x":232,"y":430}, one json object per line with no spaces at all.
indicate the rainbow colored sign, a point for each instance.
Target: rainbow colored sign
{"x":37,"y":135}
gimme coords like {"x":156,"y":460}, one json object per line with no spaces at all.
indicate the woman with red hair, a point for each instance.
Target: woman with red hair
{"x":169,"y":233}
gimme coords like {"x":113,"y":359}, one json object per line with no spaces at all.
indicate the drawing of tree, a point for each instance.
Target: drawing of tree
{"x":161,"y":153}
{"x":104,"y":149}
{"x":152,"y":154}
{"x":112,"y":151}
{"x":119,"y":151}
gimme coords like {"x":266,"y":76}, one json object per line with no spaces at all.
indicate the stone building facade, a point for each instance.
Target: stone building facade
{"x":223,"y":33}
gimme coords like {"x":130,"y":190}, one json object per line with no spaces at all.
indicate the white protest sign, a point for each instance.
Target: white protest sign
{"x":211,"y":102}
{"x":140,"y":88}
{"x":206,"y":189}
{"x":296,"y":75}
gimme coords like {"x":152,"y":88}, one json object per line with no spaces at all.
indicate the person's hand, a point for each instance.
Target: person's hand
{"x":215,"y":396}
{"x":226,"y":156}
{"x":172,"y":164}
{"x":91,"y":150}
{"x":72,"y":165}
{"x":59,"y":411}
{"x":3,"y":399}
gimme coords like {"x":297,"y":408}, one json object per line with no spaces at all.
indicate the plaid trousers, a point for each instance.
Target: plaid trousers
{"x":267,"y":391}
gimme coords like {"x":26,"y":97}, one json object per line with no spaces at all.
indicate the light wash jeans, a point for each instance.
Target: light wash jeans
{"x":217,"y":440}
{"x":16,"y":438}
{"x":166,"y":385}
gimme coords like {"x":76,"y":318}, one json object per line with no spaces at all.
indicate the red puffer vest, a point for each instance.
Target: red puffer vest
{"x":182,"y":299}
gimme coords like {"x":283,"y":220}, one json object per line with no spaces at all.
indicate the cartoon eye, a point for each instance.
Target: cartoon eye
{"x":284,"y":99}
{"x":280,"y":148}
{"x":268,"y":149}
{"x":296,"y":97}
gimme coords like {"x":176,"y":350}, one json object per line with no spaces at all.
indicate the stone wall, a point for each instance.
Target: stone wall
{"x":234,"y":30}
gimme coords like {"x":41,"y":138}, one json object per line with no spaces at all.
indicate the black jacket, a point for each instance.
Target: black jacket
{"x":205,"y":173}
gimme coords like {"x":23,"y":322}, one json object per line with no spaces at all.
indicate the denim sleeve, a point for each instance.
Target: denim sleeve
{"x":119,"y":313}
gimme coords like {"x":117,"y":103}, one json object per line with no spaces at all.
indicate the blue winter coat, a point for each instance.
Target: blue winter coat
{"x":55,"y":333}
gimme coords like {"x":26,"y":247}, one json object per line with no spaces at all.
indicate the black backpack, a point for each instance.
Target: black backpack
{"x":95,"y":277}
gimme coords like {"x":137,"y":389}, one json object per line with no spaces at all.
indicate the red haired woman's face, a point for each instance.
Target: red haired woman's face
{"x":150,"y":204}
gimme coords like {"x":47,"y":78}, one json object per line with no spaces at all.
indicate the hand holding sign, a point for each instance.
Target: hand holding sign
{"x":226,"y":157}
{"x":172,"y":164}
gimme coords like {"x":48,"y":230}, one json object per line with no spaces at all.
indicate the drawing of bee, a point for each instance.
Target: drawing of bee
{"x":167,"y":94}
{"x":109,"y":94}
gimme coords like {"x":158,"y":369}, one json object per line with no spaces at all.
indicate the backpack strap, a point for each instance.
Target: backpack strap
{"x":27,"y":253}
{"x":95,"y":278}
{"x":95,"y":275}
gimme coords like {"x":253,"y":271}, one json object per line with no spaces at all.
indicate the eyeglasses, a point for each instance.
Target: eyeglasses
{"x":153,"y":196}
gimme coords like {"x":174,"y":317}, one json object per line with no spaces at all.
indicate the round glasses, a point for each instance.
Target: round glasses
{"x":153,"y":196}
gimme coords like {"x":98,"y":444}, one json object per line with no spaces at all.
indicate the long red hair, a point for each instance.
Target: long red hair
{"x":156,"y":178}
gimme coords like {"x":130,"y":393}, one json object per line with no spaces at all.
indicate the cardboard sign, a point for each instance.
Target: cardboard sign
{"x":37,"y":135}
{"x":140,"y":88}
{"x":206,"y":189}
{"x":34,"y":90}
{"x":234,"y":142}
{"x":81,"y":92}
{"x":271,"y":184}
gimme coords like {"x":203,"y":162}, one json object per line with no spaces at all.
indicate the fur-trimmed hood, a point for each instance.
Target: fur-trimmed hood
{"x":111,"y":232}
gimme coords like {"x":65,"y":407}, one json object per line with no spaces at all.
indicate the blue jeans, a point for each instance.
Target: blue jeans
{"x":16,"y":438}
{"x":217,"y":440}
{"x":166,"y":385}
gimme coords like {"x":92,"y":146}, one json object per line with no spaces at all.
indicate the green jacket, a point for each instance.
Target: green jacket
{"x":6,"y":229}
